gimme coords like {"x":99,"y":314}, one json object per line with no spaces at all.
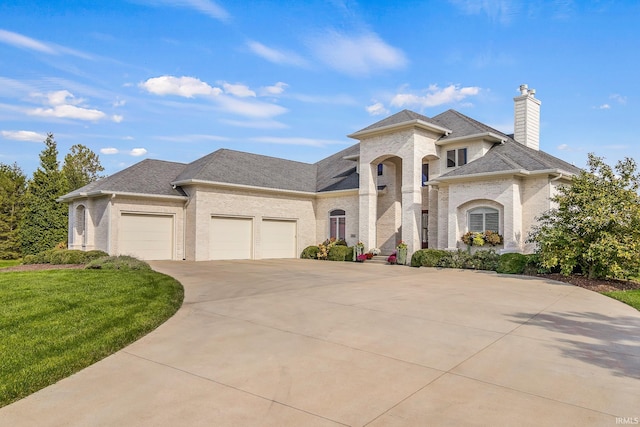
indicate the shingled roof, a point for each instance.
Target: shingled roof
{"x":146,"y":177}
{"x":462,"y":125}
{"x":511,"y":156}
{"x":336,"y":173}
{"x":236,"y":167}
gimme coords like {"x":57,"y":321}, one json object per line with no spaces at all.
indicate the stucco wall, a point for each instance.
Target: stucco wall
{"x":211,"y":201}
{"x":328,"y":202}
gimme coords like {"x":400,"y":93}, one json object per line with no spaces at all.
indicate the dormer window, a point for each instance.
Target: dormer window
{"x":456,"y":157}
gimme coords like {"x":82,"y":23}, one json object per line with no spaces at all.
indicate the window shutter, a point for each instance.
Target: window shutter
{"x":491,"y":221}
{"x":476,"y":222}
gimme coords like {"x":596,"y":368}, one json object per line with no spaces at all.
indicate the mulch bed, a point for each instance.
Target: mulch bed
{"x":595,"y":285}
{"x":576,"y":280}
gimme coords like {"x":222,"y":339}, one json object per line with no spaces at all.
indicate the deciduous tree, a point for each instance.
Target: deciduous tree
{"x":81,"y":167}
{"x":595,"y":225}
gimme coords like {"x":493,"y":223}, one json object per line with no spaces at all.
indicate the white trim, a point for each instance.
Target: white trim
{"x":512,"y":172}
{"x":397,"y":126}
{"x":113,"y":194}
{"x":485,"y":135}
{"x":242,"y":186}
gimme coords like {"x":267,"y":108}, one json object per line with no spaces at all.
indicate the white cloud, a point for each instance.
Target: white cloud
{"x":109,"y":150}
{"x":275,"y":89}
{"x":192,"y":138}
{"x":117,"y":118}
{"x":187,"y":87}
{"x":604,"y":107}
{"x":68,"y":112}
{"x":256,"y":124}
{"x":618,"y":98}
{"x":119,"y":103}
{"x":23,"y":135}
{"x":282,"y":57}
{"x":206,"y":7}
{"x":138,"y":152}
{"x":309,"y":142}
{"x":238,"y":90}
{"x":568,"y":148}
{"x":65,"y":105}
{"x":254,"y":109}
{"x":434,"y":96}
{"x":377,"y":109}
{"x":24,"y":42}
{"x":357,"y":55}
{"x":502,"y":11}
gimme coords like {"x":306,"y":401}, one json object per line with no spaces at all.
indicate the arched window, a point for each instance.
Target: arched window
{"x":483,"y":219}
{"x":337,"y":224}
{"x":80,"y":225}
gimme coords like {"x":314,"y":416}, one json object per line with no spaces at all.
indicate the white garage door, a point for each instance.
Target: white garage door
{"x":278,"y":239}
{"x":231,"y":238}
{"x":146,"y":236}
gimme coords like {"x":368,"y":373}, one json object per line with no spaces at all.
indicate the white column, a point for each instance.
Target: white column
{"x":411,"y":202}
{"x":368,"y":199}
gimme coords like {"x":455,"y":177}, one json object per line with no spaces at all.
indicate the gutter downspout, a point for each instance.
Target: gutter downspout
{"x":184,"y":224}
{"x":560,"y":175}
{"x":109,"y":228}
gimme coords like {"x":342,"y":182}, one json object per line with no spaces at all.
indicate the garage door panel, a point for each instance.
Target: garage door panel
{"x":279,"y":239}
{"x":148,"y":237}
{"x":231,"y":238}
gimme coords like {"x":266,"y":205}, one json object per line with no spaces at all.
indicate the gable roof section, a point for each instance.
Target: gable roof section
{"x":508,"y":157}
{"x":146,"y":177}
{"x":335,"y":173}
{"x":402,"y":118}
{"x":239,"y":168}
{"x":462,"y":125}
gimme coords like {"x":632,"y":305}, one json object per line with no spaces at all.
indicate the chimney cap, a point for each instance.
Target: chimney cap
{"x":525,"y":91}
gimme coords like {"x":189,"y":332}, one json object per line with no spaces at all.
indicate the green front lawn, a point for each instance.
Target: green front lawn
{"x":631,"y":297}
{"x":54,"y":323}
{"x":9,"y":262}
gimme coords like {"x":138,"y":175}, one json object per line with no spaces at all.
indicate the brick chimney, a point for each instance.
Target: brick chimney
{"x":526,"y":127}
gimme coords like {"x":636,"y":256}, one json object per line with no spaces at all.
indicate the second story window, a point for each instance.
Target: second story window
{"x":380,"y":169}
{"x":425,"y":174}
{"x":456,"y":157}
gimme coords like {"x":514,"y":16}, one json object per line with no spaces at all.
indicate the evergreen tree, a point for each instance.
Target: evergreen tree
{"x":45,"y":221}
{"x":595,"y":226}
{"x":13,"y":184}
{"x":81,"y":166}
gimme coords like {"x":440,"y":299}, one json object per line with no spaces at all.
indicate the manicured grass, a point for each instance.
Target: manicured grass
{"x":54,"y":323}
{"x":631,"y":297}
{"x":9,"y":262}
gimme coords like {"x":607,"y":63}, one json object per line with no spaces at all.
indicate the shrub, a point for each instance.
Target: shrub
{"x":121,"y":262}
{"x":341,"y":242}
{"x":481,"y":260}
{"x":514,"y":263}
{"x":427,"y":257}
{"x":94,"y":254}
{"x":340,"y":253}
{"x":310,"y":252}
{"x":29,"y":259}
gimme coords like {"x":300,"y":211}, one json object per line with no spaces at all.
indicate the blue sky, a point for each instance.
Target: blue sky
{"x":178,"y":79}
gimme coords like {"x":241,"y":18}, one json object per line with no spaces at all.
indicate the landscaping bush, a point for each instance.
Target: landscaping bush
{"x":341,"y":242}
{"x":310,"y":252}
{"x":94,"y":254}
{"x":513,"y":263}
{"x":480,"y":260}
{"x":122,"y":262}
{"x":340,"y":253}
{"x":427,"y":257}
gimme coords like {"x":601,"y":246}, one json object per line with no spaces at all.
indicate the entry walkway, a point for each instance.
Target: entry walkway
{"x":312,"y":343}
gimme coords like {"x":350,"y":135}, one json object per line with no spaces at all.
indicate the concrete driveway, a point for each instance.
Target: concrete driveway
{"x":310,"y":343}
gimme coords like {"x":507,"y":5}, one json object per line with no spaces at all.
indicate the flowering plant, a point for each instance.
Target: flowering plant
{"x":361,"y":258}
{"x":392,"y":258}
{"x":476,"y":238}
{"x":360,"y":245}
{"x":375,"y":251}
{"x":401,"y":245}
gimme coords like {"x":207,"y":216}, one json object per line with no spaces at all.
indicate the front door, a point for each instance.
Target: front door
{"x":425,"y":229}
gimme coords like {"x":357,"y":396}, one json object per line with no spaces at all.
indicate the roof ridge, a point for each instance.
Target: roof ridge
{"x":472,"y":121}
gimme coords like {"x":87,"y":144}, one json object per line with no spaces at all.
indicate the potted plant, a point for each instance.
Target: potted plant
{"x":358,"y":250}
{"x":361,"y":258}
{"x":401,"y":252}
{"x":392,"y":259}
